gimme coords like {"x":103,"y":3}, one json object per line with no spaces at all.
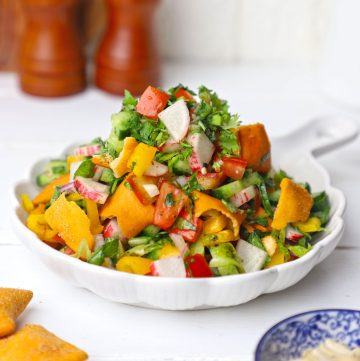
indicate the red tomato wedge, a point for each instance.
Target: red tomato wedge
{"x":198,"y":266}
{"x":169,"y":205}
{"x":152,"y":102}
{"x":193,"y":227}
{"x":182,"y":93}
{"x":234,"y":167}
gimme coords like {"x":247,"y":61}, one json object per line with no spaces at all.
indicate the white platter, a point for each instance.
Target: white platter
{"x":294,"y":153}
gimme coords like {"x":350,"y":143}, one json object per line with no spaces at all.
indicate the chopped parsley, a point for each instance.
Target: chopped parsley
{"x":169,"y":200}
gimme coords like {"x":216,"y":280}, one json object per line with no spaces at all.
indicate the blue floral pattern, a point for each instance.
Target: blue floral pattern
{"x":288,"y":339}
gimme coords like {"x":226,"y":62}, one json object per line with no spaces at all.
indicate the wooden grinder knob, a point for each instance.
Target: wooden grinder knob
{"x":51,"y":58}
{"x":127,"y":57}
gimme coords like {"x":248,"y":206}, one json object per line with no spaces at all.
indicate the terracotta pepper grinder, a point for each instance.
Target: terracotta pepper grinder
{"x":127,"y":57}
{"x":51,"y":58}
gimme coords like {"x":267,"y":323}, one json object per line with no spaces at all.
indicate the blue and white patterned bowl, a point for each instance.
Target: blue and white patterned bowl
{"x":289,"y":338}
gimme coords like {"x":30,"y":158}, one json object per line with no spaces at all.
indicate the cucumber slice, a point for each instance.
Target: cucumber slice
{"x":228,"y":190}
{"x":181,"y":167}
{"x":44,"y":179}
{"x":151,"y":230}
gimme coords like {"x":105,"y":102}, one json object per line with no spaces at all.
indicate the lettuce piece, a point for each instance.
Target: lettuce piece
{"x":146,"y":248}
{"x":226,"y":260}
{"x":299,"y":251}
{"x":321,"y":207}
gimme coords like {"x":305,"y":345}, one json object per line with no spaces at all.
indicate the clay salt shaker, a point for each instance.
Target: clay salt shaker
{"x":127,"y":57}
{"x":51,"y":59}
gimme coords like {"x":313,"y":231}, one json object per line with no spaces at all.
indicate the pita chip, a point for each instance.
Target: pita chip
{"x":12,"y":303}
{"x":35,"y":343}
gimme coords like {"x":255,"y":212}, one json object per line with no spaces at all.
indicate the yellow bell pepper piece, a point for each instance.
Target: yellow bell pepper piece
{"x":37,"y":223}
{"x":40,"y":209}
{"x":134,"y":264}
{"x":93,"y":215}
{"x":46,"y":193}
{"x":215,"y":224}
{"x":73,"y":158}
{"x":169,"y":251}
{"x":107,"y":263}
{"x":141,"y":158}
{"x":27,"y":203}
{"x":132,"y":216}
{"x":276,"y":259}
{"x":211,"y":213}
{"x":313,"y":224}
{"x":205,"y":203}
{"x":225,"y":236}
{"x":270,"y":245}
{"x":71,"y":222}
{"x":120,"y":164}
{"x":73,"y":197}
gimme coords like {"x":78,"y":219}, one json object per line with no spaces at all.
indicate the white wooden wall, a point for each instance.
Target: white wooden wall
{"x":242,"y":30}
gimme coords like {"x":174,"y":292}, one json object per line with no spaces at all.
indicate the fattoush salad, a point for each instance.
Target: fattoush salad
{"x":181,"y":188}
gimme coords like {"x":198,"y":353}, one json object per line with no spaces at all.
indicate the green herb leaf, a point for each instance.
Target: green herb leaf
{"x":86,"y":169}
{"x":169,"y":200}
{"x":279,"y":176}
{"x":192,"y":185}
{"x":321,"y":207}
{"x":255,"y":240}
{"x":228,"y":143}
{"x":129,"y":102}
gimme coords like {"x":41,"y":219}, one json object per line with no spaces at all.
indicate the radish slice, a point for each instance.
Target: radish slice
{"x":98,"y":172}
{"x":202,"y":152}
{"x":112,"y":229}
{"x":169,"y":267}
{"x":170,"y":146}
{"x":293,"y":234}
{"x":244,"y":196}
{"x":176,"y":119}
{"x":99,"y":240}
{"x":156,"y":169}
{"x":92,"y":190}
{"x":182,"y":180}
{"x":253,"y":257}
{"x":151,"y":189}
{"x":87,"y":150}
{"x":179,"y":243}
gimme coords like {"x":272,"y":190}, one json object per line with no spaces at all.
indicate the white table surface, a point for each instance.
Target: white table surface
{"x":281,"y":97}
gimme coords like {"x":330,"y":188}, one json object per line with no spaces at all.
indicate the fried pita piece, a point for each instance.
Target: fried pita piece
{"x":35,"y":343}
{"x":294,"y":204}
{"x":12,"y":303}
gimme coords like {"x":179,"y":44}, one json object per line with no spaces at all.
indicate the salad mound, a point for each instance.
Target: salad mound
{"x":179,"y":189}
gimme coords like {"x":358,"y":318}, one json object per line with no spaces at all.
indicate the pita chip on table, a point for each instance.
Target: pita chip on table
{"x":12,"y":303}
{"x":35,"y":343}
